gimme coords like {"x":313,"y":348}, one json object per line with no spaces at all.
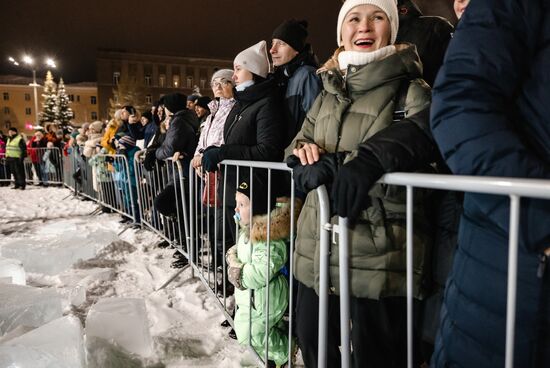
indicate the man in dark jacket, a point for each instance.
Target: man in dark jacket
{"x":295,"y":73}
{"x":181,"y":141}
{"x":490,"y":118}
{"x":16,"y":151}
{"x":181,"y":135}
{"x":430,"y":34}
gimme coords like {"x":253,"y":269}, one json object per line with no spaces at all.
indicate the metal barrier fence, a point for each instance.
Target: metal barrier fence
{"x":163,"y":177}
{"x":514,"y":188}
{"x":199,"y":243}
{"x":43,"y":166}
{"x":107,"y":179}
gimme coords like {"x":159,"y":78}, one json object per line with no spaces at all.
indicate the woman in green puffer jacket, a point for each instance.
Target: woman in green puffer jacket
{"x":372,"y":117}
{"x":248,"y":271}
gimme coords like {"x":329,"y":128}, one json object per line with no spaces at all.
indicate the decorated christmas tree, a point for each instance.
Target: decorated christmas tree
{"x":64,"y":112}
{"x":49,"y":100}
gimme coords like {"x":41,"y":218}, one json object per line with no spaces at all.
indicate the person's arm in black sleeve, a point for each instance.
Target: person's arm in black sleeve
{"x":23,"y":148}
{"x":403,"y":146}
{"x":167,"y":148}
{"x":406,"y":145}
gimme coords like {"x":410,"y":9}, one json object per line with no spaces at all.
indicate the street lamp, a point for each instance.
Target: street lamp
{"x":29,"y":64}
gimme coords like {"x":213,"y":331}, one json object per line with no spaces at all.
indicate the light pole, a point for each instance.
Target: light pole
{"x":29,"y":62}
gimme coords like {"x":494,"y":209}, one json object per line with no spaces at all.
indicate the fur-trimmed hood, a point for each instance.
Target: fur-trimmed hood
{"x":280,"y":223}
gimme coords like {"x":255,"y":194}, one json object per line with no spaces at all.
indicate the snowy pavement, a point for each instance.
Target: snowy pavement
{"x":82,"y":258}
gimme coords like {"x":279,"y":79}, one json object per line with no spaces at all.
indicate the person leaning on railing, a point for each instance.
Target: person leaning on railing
{"x":254,"y":128}
{"x":371,"y":118}
{"x":180,"y":142}
{"x":254,"y":262}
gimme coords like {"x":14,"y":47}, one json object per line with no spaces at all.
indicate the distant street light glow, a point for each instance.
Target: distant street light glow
{"x":50,"y":62}
{"x":28,"y":60}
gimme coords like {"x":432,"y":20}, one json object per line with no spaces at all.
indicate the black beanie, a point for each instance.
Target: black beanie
{"x":259,"y":190}
{"x":293,"y":32}
{"x":147,"y":115}
{"x":203,"y":102}
{"x":175,"y":102}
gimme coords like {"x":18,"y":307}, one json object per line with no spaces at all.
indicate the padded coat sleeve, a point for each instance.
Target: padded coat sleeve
{"x":475,"y":117}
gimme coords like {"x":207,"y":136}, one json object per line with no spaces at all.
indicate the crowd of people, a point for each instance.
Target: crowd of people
{"x":43,"y":149}
{"x":402,"y":93}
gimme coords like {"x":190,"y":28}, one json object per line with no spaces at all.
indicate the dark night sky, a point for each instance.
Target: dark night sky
{"x":72,"y":30}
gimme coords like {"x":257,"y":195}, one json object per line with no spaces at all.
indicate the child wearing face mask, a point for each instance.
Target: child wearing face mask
{"x":248,"y":270}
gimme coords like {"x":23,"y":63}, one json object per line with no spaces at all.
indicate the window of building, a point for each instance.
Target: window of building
{"x":6,"y":110}
{"x":149,"y":99}
{"x":71,"y":98}
{"x":203,"y":83}
{"x":189,"y":82}
{"x":77,"y":98}
{"x":28,"y":111}
{"x":175,"y":81}
{"x":147,"y":80}
{"x":162,"y":80}
{"x":27,"y":96}
{"x":94,"y":115}
{"x":116,"y":78}
{"x":7,"y":124}
{"x":93,"y":100}
{"x":6,"y":96}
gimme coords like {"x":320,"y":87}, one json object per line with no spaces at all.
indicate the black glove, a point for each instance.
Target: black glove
{"x":149,"y":159}
{"x":350,"y":192}
{"x":309,"y":177}
{"x":211,"y":158}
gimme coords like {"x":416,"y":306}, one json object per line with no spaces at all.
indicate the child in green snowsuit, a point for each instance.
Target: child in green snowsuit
{"x":248,"y":271}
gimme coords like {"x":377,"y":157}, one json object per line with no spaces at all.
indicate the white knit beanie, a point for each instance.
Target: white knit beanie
{"x":388,"y":6}
{"x":226,"y":74}
{"x":254,"y":59}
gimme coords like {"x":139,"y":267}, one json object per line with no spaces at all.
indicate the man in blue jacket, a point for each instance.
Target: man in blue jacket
{"x":295,"y":72}
{"x":490,"y":118}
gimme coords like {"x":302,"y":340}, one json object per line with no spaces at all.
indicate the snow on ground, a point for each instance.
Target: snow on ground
{"x":49,"y":224}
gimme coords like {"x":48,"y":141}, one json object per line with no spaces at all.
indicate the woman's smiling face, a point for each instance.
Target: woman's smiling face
{"x":366,"y":28}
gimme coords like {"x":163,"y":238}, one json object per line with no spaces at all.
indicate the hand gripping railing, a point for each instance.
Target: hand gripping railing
{"x":514,"y":188}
